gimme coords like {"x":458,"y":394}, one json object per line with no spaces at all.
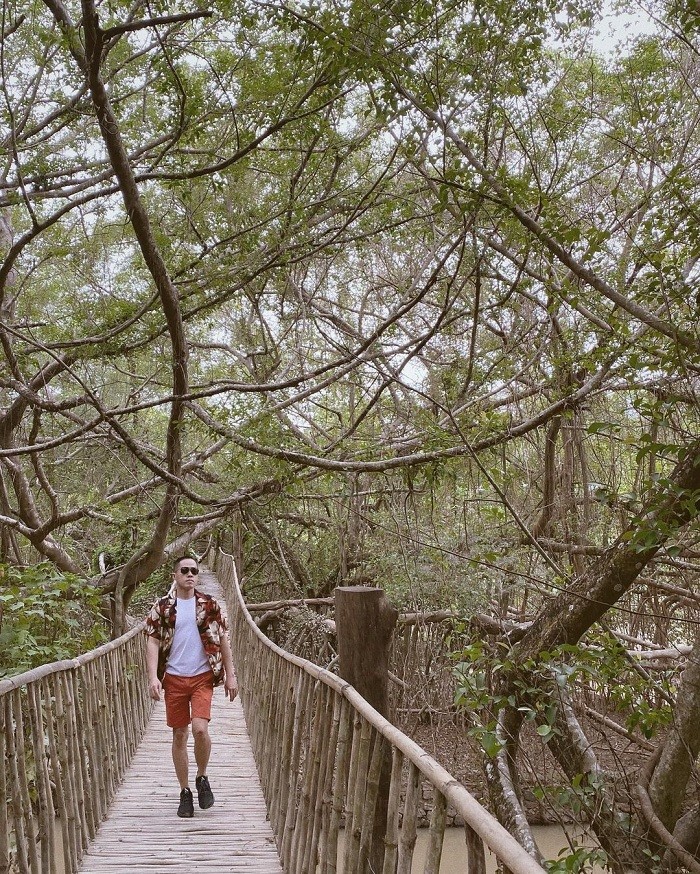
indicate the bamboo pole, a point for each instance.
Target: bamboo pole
{"x":304,"y":820}
{"x":45,"y":809}
{"x":91,"y":780}
{"x":476,"y":857}
{"x":128,"y":700}
{"x":285,"y":716}
{"x":116,"y":729}
{"x":73,"y":756}
{"x":340,"y":779}
{"x":367,"y":851}
{"x":436,"y":834}
{"x":268,"y":740}
{"x":134,"y":674}
{"x":353,"y":836}
{"x":407,"y":842}
{"x":87,"y":823}
{"x":116,"y":722}
{"x":68,"y":795}
{"x":257,"y":722}
{"x":251,"y":682}
{"x":391,"y":842}
{"x":27,"y":811}
{"x":324,"y":796}
{"x":56,"y":770}
{"x":119,"y":708}
{"x":281,"y":787}
{"x":301,"y":710}
{"x":4,"y":764}
{"x":103,"y":760}
{"x":101,"y":755}
{"x":306,"y":803}
{"x":356,"y":728}
{"x":140,"y":685}
{"x":20,"y":830}
{"x":267,"y":737}
{"x":106,"y":750}
{"x":319,"y":752}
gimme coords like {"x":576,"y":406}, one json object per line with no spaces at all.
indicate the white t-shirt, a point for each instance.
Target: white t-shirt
{"x":187,"y":657}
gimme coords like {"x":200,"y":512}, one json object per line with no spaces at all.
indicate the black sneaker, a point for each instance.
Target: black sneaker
{"x":186,"y":808}
{"x":204,"y":793}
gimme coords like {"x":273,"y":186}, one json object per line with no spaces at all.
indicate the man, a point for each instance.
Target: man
{"x":189,"y":650}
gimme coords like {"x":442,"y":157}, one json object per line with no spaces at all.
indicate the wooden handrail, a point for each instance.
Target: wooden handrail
{"x":68,"y":731}
{"x":17,"y":680}
{"x":319,"y":747}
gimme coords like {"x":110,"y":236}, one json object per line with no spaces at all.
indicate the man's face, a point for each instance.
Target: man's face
{"x":186,"y":577}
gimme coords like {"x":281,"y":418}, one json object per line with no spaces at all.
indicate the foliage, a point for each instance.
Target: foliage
{"x":157,"y":585}
{"x":600,"y":667}
{"x":578,"y":861}
{"x":46,"y":616}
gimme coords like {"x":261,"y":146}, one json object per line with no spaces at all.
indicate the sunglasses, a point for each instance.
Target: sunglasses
{"x":189,"y":570}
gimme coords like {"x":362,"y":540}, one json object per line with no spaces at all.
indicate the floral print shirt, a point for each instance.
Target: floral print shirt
{"x":160,"y":623}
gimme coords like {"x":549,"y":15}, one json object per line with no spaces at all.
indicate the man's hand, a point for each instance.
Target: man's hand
{"x":231,"y":687}
{"x":155,"y":687}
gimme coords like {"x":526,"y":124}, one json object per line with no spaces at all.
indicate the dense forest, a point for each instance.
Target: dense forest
{"x":402,"y":294}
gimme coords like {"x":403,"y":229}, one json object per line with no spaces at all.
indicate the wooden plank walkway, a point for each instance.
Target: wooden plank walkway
{"x":142,"y":831}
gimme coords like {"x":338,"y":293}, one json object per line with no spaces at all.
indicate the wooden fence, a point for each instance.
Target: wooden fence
{"x":319,"y":749}
{"x":68,"y":731}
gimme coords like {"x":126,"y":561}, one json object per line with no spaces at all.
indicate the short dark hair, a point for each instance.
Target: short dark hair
{"x":176,"y":562}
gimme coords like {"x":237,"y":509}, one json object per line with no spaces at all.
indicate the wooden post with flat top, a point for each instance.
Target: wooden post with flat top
{"x":365,"y":621}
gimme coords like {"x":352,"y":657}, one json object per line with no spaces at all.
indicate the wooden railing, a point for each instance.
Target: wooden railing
{"x":319,"y":747}
{"x":68,"y":731}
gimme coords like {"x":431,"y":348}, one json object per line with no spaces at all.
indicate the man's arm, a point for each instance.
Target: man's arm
{"x":230,"y":681}
{"x":154,"y":684}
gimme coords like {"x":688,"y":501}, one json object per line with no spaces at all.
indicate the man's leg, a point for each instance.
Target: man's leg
{"x":180,"y":757}
{"x":177,"y":709}
{"x":201,"y":714}
{"x":202,"y":744}
{"x":202,"y":750}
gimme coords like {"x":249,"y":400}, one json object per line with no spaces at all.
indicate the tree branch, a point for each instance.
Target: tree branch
{"x":130,"y":27}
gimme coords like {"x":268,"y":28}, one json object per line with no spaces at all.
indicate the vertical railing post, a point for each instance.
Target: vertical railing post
{"x":4,"y":822}
{"x":476,"y":857}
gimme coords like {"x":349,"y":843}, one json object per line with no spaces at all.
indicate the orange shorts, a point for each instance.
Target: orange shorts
{"x":187,"y":698}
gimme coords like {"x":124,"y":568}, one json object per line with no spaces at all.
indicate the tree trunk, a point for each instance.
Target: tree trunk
{"x":624,"y":843}
{"x":150,"y":555}
{"x":670,"y":778}
{"x":687,"y":833}
{"x":504,"y":788}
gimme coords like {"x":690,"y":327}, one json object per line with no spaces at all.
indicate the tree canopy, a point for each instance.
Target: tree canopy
{"x":407,"y":293}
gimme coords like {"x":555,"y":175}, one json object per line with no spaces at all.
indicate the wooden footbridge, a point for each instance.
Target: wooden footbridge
{"x":87,"y":784}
